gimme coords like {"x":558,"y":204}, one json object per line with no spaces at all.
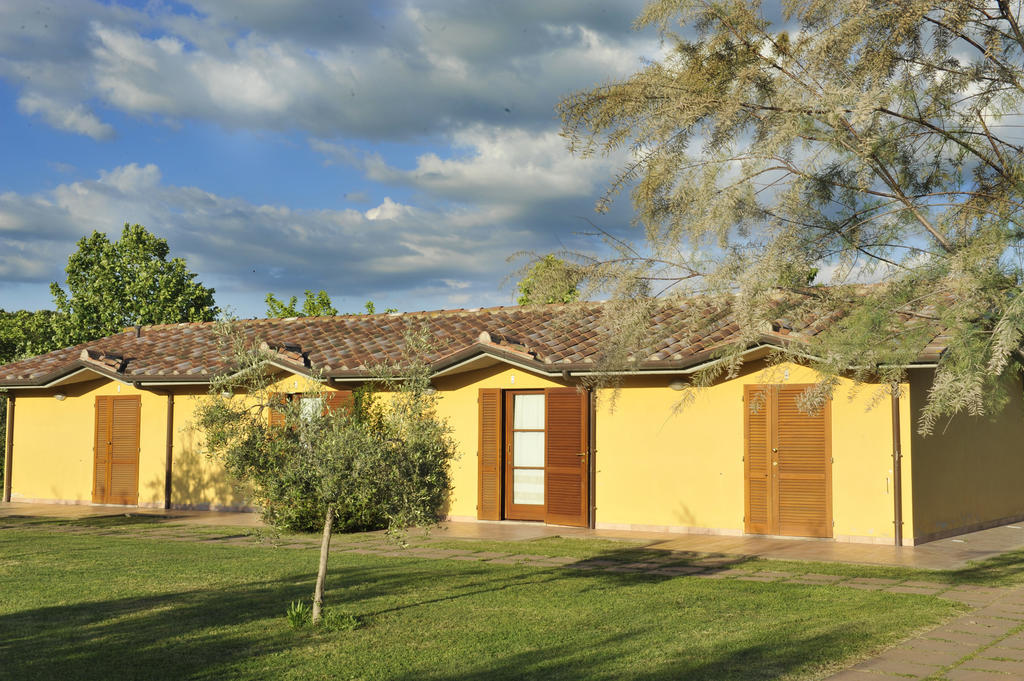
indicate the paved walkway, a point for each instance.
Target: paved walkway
{"x":984,"y":645}
{"x":945,"y":554}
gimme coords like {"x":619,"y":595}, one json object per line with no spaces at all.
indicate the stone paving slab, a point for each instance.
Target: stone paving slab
{"x":974,"y":675}
{"x":941,"y":658}
{"x":904,"y":668}
{"x":813,"y":577}
{"x":1015,"y":641}
{"x":1001,"y":651}
{"x":863,"y":675}
{"x":931,"y":644}
{"x":924,"y":591}
{"x":1014,"y":667}
{"x":945,"y":634}
{"x":756,"y":577}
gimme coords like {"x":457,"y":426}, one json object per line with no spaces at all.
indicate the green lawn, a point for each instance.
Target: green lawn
{"x":101,"y":604}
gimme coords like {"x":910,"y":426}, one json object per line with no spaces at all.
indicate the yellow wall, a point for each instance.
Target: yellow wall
{"x":655,"y":468}
{"x":53,"y":447}
{"x":53,"y":442}
{"x":970,"y":472}
{"x":684,"y":471}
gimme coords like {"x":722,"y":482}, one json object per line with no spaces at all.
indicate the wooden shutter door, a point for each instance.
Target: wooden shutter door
{"x":338,"y":399}
{"x":124,"y":451}
{"x":489,"y":455}
{"x":566,"y":457}
{"x":804,"y":468}
{"x":101,"y":450}
{"x":275,"y":418}
{"x":757,"y":460}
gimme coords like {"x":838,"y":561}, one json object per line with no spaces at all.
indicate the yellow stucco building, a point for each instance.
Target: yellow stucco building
{"x":111,"y":422}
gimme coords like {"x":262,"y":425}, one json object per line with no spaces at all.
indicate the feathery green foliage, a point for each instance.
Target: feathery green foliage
{"x":871,"y":148}
{"x":115,"y":284}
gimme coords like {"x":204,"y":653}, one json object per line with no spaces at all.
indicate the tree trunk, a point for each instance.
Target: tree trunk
{"x":321,"y":575}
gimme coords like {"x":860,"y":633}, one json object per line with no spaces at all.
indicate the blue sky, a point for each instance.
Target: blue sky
{"x":393,"y":151}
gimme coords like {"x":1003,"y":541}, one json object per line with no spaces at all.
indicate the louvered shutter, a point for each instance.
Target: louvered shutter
{"x":804,"y":467}
{"x":566,"y":454}
{"x":757,"y":435}
{"x":489,"y":455}
{"x":275,"y":417}
{"x":338,"y":400}
{"x":101,"y":450}
{"x":124,"y":451}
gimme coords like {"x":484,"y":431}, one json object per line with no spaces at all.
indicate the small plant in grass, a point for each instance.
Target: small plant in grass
{"x":299,"y":614}
{"x":341,"y":621}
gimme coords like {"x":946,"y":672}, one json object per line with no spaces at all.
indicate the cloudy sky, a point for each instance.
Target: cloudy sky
{"x":387,"y":150}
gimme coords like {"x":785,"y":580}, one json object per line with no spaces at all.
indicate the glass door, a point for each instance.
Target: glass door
{"x":524,"y":455}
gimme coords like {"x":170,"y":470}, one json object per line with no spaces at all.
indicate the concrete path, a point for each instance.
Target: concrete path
{"x":944,"y":554}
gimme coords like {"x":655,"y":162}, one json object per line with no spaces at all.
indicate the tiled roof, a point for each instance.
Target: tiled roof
{"x":550,"y":338}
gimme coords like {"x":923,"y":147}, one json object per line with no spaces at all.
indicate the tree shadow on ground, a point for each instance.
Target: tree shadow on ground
{"x":1007,"y":568}
{"x":598,"y":658}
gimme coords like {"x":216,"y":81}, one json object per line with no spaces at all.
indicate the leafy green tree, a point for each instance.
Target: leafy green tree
{"x":116,"y":284}
{"x":315,"y":305}
{"x":25,"y":333}
{"x":549,"y":280}
{"x":390,"y":456}
{"x":877,"y":143}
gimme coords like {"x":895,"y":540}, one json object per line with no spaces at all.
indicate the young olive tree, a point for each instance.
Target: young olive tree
{"x":389,"y":452}
{"x":836,"y":159}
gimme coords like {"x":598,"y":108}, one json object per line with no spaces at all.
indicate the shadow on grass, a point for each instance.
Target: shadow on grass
{"x":223,"y":632}
{"x":1004,"y":569}
{"x":599,"y":655}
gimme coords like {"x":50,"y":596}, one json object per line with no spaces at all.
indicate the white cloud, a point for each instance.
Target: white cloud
{"x":403,"y":69}
{"x":242,"y":247}
{"x":64,"y":116}
{"x":501,"y":166}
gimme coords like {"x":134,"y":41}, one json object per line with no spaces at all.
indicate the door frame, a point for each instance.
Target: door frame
{"x":511,"y":510}
{"x":494,"y":479}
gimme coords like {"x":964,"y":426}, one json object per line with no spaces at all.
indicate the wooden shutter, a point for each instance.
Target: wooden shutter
{"x":804,"y":468}
{"x":338,"y":399}
{"x":757,"y":459}
{"x":566,"y":456}
{"x":275,"y":417}
{"x":101,"y":450}
{"x":489,"y":456}
{"x":124,"y":451}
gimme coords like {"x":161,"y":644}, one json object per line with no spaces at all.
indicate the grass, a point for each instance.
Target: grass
{"x":1003,"y":570}
{"x":107,"y":601}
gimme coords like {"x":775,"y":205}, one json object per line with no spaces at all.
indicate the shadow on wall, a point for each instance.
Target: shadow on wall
{"x":198,"y":482}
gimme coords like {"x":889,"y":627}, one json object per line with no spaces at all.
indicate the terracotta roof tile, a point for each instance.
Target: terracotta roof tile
{"x":547,"y":336}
